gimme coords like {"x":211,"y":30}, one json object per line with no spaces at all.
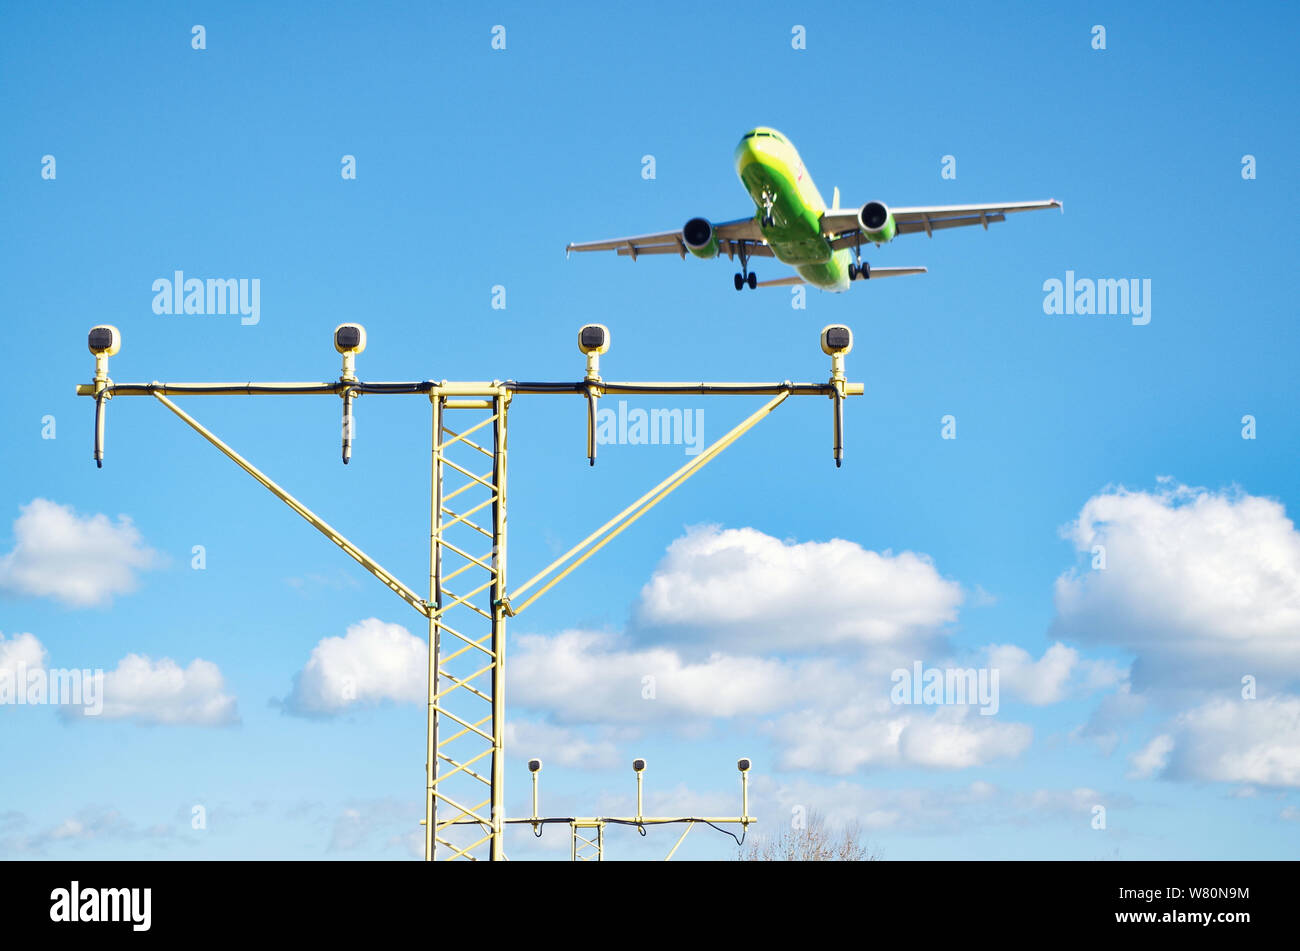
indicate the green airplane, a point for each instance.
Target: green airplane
{"x":792,"y":224}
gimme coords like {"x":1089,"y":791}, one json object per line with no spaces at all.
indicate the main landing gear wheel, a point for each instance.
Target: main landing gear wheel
{"x":745,"y":276}
{"x":859,"y":271}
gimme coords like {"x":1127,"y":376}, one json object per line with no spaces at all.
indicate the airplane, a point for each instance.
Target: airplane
{"x":792,"y":224}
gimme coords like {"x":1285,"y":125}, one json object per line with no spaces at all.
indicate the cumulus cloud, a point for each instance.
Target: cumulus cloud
{"x":595,"y":677}
{"x":1052,"y":677}
{"x":825,"y":715}
{"x":163,"y":692}
{"x":840,"y":740}
{"x":563,"y":746}
{"x":81,"y":561}
{"x":1232,"y":741}
{"x":1152,"y":758}
{"x":20,"y":650}
{"x":372,"y":663}
{"x":1195,"y":582}
{"x":725,"y":598}
{"x":747,"y":589}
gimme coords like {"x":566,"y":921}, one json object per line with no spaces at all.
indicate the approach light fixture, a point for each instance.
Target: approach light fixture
{"x":837,"y":340}
{"x":103,"y":340}
{"x":349,"y":340}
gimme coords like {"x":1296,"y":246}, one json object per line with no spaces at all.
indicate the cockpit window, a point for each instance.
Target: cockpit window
{"x":770,"y":135}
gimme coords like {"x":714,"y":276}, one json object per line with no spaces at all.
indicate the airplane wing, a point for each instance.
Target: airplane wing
{"x":842,"y":224}
{"x":730,"y":234}
{"x":872,"y":273}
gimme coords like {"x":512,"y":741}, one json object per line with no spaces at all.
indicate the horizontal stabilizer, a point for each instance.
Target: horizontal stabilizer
{"x":876,"y":272}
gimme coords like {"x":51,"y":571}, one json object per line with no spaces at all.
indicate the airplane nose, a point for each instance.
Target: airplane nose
{"x":746,"y":150}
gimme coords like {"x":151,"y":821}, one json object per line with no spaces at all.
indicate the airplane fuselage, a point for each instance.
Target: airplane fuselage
{"x":789,"y":208}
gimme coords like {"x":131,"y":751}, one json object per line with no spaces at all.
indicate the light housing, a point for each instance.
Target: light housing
{"x":350,"y":338}
{"x":104,"y":339}
{"x":594,"y":338}
{"x":836,"y":339}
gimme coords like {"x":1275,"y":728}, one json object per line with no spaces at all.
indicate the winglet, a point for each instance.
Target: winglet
{"x":835,"y":199}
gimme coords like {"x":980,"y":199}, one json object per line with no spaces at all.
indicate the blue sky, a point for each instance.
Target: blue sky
{"x":474,"y":168}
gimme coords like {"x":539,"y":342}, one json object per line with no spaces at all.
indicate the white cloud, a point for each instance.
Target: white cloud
{"x":928,"y":810}
{"x":741,"y":594}
{"x":1231,"y":741}
{"x":593,"y":677}
{"x":752,"y":591}
{"x":93,"y":823}
{"x":830,"y":717}
{"x":843,"y":739}
{"x":954,"y":739}
{"x":19,"y":649}
{"x":372,"y":663}
{"x":1203,"y":586}
{"x":1152,"y":758}
{"x":1051,"y":678}
{"x":561,"y":745}
{"x":163,"y":692}
{"x":79,"y":560}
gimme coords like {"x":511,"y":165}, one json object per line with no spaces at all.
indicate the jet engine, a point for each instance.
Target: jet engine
{"x":698,"y":236}
{"x":877,"y":222}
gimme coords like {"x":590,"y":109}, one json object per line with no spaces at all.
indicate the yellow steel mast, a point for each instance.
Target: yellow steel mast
{"x":468,"y":600}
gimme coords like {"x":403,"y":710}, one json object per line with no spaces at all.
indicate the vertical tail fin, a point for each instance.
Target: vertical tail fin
{"x":835,"y":199}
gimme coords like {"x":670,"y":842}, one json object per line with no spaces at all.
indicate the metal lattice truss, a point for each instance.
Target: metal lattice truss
{"x":468,"y":601}
{"x":588,"y":840}
{"x":467,"y":628}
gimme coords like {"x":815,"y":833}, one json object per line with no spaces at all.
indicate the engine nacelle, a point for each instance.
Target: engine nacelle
{"x":698,"y":236}
{"x":877,"y":222}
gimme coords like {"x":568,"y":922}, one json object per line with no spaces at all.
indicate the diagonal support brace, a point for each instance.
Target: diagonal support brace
{"x":322,"y":526}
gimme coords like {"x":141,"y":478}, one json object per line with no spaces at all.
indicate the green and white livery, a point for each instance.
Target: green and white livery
{"x":792,"y":224}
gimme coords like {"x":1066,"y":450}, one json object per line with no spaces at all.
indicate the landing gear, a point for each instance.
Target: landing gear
{"x":746,"y":276}
{"x":857,"y":267}
{"x":769,"y":200}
